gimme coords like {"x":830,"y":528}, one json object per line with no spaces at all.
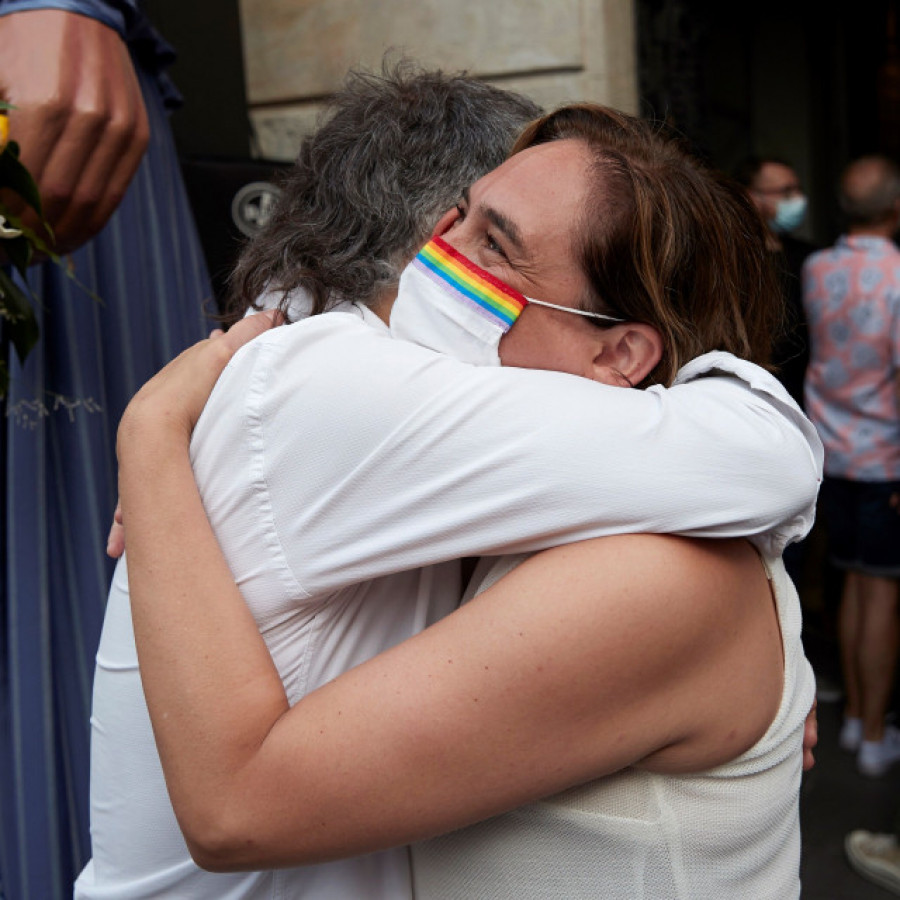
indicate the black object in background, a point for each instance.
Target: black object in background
{"x":231,"y":199}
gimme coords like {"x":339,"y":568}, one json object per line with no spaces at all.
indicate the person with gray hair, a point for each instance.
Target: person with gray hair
{"x":852,"y":300}
{"x":774,"y":187}
{"x":393,"y":153}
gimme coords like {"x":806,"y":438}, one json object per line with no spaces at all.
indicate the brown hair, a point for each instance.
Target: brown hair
{"x":668,"y":241}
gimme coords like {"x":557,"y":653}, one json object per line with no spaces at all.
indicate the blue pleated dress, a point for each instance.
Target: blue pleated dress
{"x":58,"y":471}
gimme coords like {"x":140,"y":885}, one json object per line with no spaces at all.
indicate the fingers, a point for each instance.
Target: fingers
{"x":249,"y":327}
{"x":113,"y":123}
{"x":40,"y":104}
{"x":115,"y":543}
{"x":810,"y":738}
{"x":80,"y":118}
{"x":171,"y":402}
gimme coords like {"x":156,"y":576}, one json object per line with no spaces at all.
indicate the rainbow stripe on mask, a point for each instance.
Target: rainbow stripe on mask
{"x":459,"y":273}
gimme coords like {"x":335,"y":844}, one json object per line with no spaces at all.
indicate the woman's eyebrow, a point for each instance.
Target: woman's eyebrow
{"x":500,"y":221}
{"x":505,"y":225}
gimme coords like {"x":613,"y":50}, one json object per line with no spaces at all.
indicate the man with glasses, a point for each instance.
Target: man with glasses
{"x":774,"y":187}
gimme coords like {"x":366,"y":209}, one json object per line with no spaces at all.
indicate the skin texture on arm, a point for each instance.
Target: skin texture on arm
{"x":79,"y":119}
{"x":509,"y":699}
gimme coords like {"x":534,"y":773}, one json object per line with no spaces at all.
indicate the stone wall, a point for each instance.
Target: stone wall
{"x":297,"y":51}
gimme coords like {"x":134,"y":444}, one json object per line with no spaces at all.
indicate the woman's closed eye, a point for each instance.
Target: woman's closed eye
{"x":494,"y":247}
{"x":487,"y":241}
{"x":491,"y":244}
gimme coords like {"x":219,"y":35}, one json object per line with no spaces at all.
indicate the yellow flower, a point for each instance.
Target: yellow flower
{"x":4,"y":130}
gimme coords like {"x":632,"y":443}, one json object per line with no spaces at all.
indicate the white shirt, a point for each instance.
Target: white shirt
{"x":330,"y":457}
{"x":729,"y":833}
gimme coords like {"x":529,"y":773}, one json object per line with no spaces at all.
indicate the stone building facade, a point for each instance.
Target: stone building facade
{"x":297,"y":51}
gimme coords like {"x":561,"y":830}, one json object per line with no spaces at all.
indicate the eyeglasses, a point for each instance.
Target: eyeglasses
{"x":578,"y":312}
{"x":787,"y":191}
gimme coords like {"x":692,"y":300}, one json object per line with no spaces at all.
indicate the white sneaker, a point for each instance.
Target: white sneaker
{"x":876,"y":757}
{"x":851,"y":734}
{"x":875,"y":857}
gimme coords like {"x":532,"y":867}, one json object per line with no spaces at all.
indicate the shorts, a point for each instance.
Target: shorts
{"x":863,"y":528}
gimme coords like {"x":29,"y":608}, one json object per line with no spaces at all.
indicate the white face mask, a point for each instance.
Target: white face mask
{"x":449,"y":304}
{"x":789,"y":213}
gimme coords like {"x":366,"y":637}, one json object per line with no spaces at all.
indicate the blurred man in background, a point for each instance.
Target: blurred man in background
{"x":851,"y":292}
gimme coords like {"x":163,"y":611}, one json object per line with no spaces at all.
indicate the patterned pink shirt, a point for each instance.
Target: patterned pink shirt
{"x":851,"y":292}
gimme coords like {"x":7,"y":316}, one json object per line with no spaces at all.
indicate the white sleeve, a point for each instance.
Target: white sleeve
{"x":350,"y":456}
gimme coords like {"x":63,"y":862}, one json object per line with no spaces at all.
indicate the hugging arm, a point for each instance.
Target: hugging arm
{"x":508,"y":699}
{"x":380,"y":741}
{"x":352,"y":456}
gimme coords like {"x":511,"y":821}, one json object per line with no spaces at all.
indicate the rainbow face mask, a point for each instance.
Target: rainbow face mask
{"x":449,"y":304}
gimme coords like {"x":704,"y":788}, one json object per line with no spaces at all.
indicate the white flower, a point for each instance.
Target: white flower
{"x":7,"y":231}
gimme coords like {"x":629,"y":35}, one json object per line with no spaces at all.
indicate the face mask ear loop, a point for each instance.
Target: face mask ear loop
{"x":577,"y":312}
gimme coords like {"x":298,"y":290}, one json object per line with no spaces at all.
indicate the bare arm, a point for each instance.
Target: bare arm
{"x":79,"y":118}
{"x":509,"y":699}
{"x":470,"y":460}
{"x":468,"y":470}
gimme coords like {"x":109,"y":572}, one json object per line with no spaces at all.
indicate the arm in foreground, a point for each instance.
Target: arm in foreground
{"x":453,"y":442}
{"x":509,"y":699}
{"x":79,"y":115}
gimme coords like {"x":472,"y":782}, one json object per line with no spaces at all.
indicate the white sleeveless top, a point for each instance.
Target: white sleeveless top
{"x":730,"y":833}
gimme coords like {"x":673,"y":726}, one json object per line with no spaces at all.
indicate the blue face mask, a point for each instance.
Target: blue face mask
{"x":789,"y":213}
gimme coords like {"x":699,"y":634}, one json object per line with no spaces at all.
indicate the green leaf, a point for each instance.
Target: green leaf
{"x":30,"y":234}
{"x":40,"y":246}
{"x":18,"y":251}
{"x":20,"y":326}
{"x":16,"y":177}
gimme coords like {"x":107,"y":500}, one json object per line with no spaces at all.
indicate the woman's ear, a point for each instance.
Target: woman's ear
{"x":632,"y":350}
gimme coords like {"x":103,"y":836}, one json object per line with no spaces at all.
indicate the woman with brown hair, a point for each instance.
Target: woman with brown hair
{"x":663,"y":659}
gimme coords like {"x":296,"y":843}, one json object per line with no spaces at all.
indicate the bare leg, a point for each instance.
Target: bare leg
{"x":849,"y":634}
{"x":877,"y":650}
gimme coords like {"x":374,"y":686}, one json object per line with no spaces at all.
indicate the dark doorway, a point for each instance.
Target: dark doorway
{"x":817,"y":83}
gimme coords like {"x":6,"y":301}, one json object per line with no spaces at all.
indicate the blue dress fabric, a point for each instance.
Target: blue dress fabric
{"x":58,"y":478}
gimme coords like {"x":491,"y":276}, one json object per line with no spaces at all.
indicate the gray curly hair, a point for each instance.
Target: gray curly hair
{"x":393,"y":153}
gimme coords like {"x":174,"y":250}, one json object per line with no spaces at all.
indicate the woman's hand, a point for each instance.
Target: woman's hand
{"x":167,"y":407}
{"x":181,"y":389}
{"x":176,"y":395}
